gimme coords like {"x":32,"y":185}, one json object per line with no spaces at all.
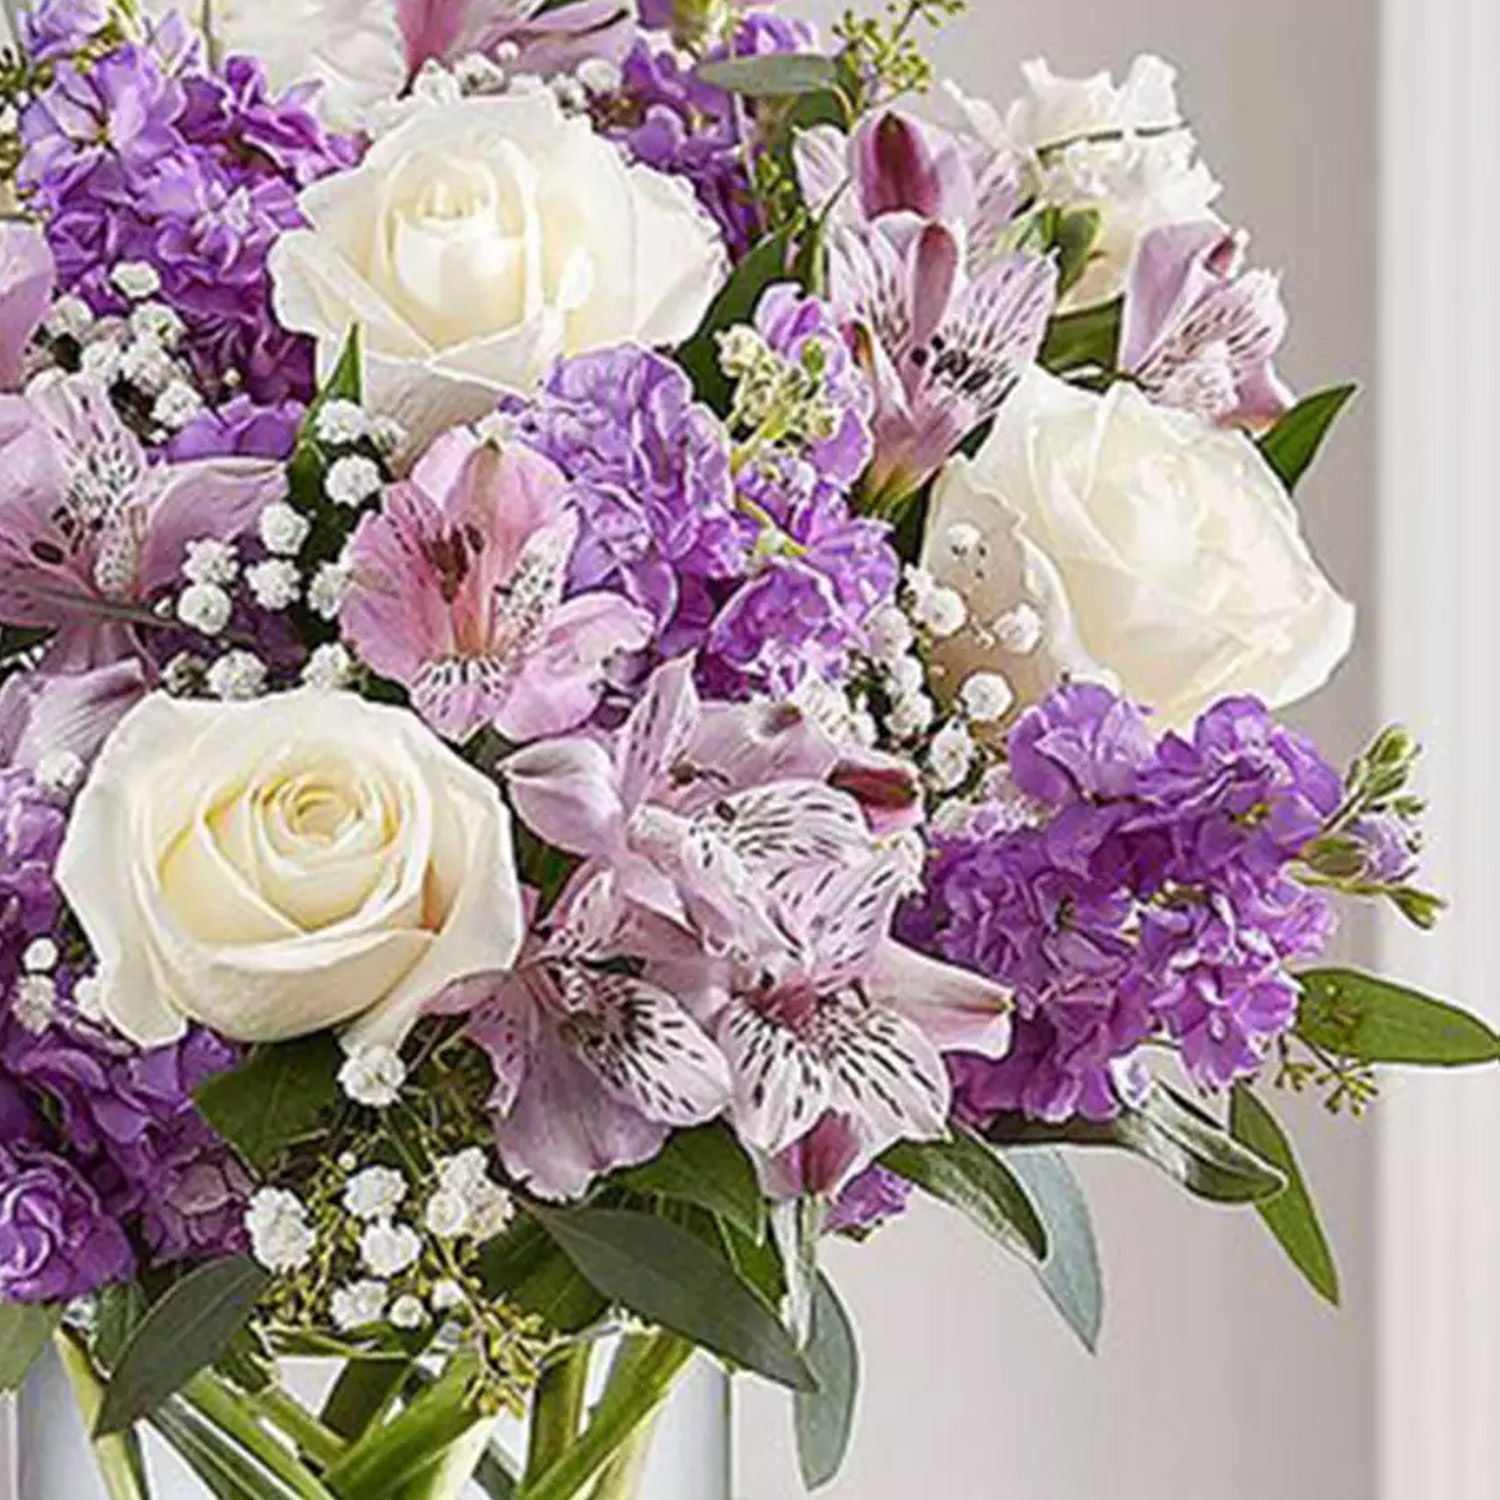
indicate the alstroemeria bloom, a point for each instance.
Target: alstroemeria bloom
{"x":942,"y":320}
{"x":594,"y":1068}
{"x":839,"y":1036}
{"x":547,"y":39}
{"x":696,"y":810}
{"x":27,"y":277}
{"x":1199,"y":331}
{"x":457,"y":594}
{"x":90,"y":529}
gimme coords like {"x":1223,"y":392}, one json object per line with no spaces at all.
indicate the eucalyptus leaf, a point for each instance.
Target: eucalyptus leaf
{"x":188,"y":1329}
{"x":1169,"y":1132}
{"x":1292,"y":444}
{"x":25,"y":1331}
{"x":967,"y":1175}
{"x":668,"y":1276}
{"x":773,"y":76}
{"x":281,"y":1095}
{"x":708,"y":1168}
{"x":1291,"y":1218}
{"x":1070,"y":1274}
{"x":1375,"y":1021}
{"x":824,"y":1418}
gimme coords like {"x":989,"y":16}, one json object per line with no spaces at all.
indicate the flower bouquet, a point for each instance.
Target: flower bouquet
{"x":618,"y":654}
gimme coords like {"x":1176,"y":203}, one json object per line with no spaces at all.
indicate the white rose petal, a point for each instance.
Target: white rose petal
{"x":1163,"y":554}
{"x":477,"y":242}
{"x":395,"y":871}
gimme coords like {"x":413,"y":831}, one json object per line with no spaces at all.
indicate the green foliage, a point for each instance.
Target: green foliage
{"x":774,"y":76}
{"x":189,"y":1328}
{"x":526,"y":1267}
{"x":1088,"y":340}
{"x":965,"y":1174}
{"x":25,"y":1331}
{"x":1070,"y":1273}
{"x":284,"y":1094}
{"x":824,"y":1418}
{"x":1172,"y":1134}
{"x":1372,"y":1020}
{"x":670,"y":1277}
{"x":708,"y":1168}
{"x":1292,"y":444}
{"x":1291,"y":1218}
{"x":882,"y":59}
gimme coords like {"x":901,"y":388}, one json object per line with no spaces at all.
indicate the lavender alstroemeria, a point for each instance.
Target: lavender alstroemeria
{"x":593,"y":1066}
{"x":90,"y":529}
{"x":942,"y":320}
{"x":546,"y":39}
{"x":27,"y":277}
{"x":1199,"y":331}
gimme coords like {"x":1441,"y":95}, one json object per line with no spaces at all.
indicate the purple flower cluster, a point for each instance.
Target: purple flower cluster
{"x":1151,"y":894}
{"x":97,"y":1136}
{"x":146,"y":157}
{"x":766,"y":571}
{"x":667,"y":118}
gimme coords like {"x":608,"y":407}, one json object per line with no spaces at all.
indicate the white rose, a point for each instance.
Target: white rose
{"x":1160,"y":553}
{"x":480,"y":240}
{"x":353,"y":49}
{"x":277,"y":867}
{"x":1122,"y":150}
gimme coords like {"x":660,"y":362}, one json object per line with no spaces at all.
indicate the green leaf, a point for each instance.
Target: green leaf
{"x":1370,"y":1019}
{"x":228,"y":1468}
{"x":1170,"y":1133}
{"x":347,"y":381}
{"x":769,"y":262}
{"x":281,"y":1095}
{"x":825,"y":1418}
{"x":118,"y":1314}
{"x":670,"y":1277}
{"x":708,"y":1168}
{"x":774,"y":76}
{"x":363,"y":1392}
{"x":1070,"y":1274}
{"x":526,"y":1266}
{"x":425,"y":1453}
{"x":968,"y":1176}
{"x":1292,"y":1218}
{"x":1073,"y":238}
{"x":1292,"y":444}
{"x":1089,"y":338}
{"x":25,"y":1331}
{"x":188,"y":1329}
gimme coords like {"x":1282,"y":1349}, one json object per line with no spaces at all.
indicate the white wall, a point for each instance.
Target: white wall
{"x":1221,"y":1378}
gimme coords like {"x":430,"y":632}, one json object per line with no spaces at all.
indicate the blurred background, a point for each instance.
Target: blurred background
{"x":1351,"y":139}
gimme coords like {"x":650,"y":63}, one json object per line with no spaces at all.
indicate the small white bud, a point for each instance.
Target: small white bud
{"x":157,"y":321}
{"x":911,"y":715}
{"x":177,"y":405}
{"x":387,"y":1249}
{"x":358,"y":1305}
{"x":136,"y":279}
{"x":950,"y":756}
{"x":237,"y":677}
{"x":281,"y":1238}
{"x":1018,"y":630}
{"x":891,"y":635}
{"x":352,"y":480}
{"x":407,"y":1313}
{"x":375,"y":1193}
{"x":60,"y":773}
{"x":40,"y":957}
{"x":942,"y":612}
{"x":276,"y":583}
{"x":329,"y":668}
{"x":34,"y":1002}
{"x":341,"y":424}
{"x":325,"y":595}
{"x":211,"y":561}
{"x":69,"y":318}
{"x":373,"y":1077}
{"x":283,"y":529}
{"x":204,"y":607}
{"x":986,"y":696}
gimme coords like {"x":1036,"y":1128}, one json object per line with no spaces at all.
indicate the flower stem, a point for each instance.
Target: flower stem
{"x":626,"y":1471}
{"x":121,"y":1466}
{"x":557,"y":1410}
{"x":293,"y":1420}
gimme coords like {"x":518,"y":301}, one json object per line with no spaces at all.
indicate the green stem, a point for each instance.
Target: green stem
{"x":290,"y":1417}
{"x":622,"y":1478}
{"x":226,"y":1409}
{"x":119,"y":1457}
{"x":640,"y":1381}
{"x":557,"y":1410}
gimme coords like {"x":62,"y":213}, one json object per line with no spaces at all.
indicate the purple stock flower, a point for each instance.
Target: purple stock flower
{"x":666,"y":117}
{"x":241,"y":428}
{"x":56,"y":29}
{"x":1152,"y":895}
{"x":867,"y":1202}
{"x":145,"y":157}
{"x":1201,"y":333}
{"x":57,"y":1239}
